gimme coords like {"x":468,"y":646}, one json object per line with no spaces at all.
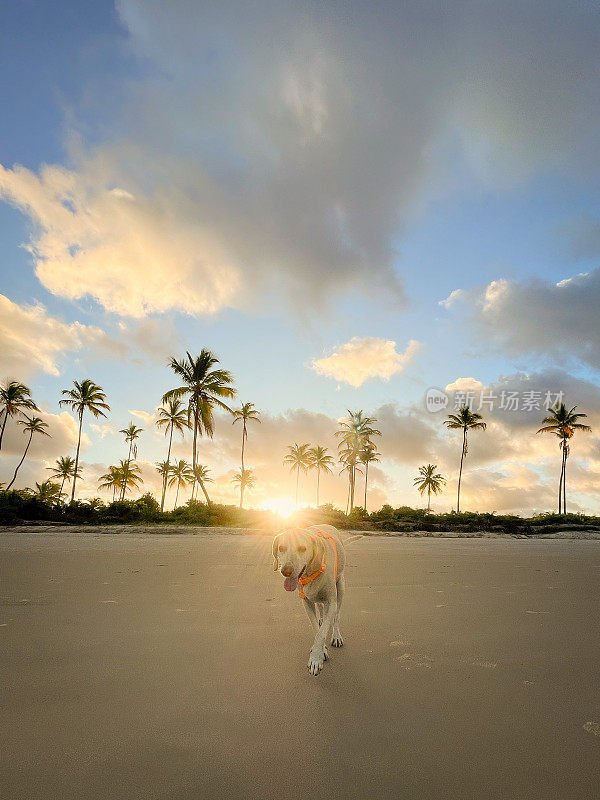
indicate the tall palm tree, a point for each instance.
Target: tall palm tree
{"x":428,"y":480}
{"x":181,"y":475}
{"x":131,"y":433}
{"x":47,"y":492}
{"x":64,"y":470}
{"x":298,"y":458}
{"x":321,"y":461}
{"x":563,"y":423}
{"x":368,"y":454}
{"x":355,"y":433}
{"x":172,"y":416}
{"x":246,"y":480}
{"x":113,"y":479}
{"x":245,"y":414}
{"x":465,"y":420}
{"x":205,"y":388}
{"x":201,"y":478}
{"x":30,"y":425}
{"x":131,"y":476}
{"x":86,"y":395}
{"x":14,"y":398}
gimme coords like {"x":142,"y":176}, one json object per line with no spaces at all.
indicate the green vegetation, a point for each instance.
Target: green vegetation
{"x":43,"y":506}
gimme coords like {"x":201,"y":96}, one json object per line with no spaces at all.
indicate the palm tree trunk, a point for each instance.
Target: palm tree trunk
{"x":241,"y":494}
{"x":176,"y":495}
{"x":352,"y":478}
{"x":203,"y":487}
{"x":166,"y":475}
{"x":366,"y":481}
{"x":428,"y":499}
{"x":565,"y":483}
{"x":243,"y":442}
{"x":3,"y":426}
{"x":460,"y":470}
{"x":195,"y":436}
{"x":62,"y":485}
{"x":126,"y":475}
{"x":318,"y":476}
{"x":77,"y":455}
{"x":21,"y":461}
{"x":560,"y":482}
{"x":297,"y":482}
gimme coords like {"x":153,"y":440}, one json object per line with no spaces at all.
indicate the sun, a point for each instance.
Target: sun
{"x":283,"y":506}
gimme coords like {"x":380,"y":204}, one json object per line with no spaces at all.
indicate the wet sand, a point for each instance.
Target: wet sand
{"x":142,"y":666}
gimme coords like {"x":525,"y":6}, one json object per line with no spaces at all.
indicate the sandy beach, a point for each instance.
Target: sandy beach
{"x":144,"y":666}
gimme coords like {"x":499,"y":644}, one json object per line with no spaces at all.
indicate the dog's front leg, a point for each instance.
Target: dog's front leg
{"x":317,"y":654}
{"x":312,"y":614}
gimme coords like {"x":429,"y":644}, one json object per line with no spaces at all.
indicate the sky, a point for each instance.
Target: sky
{"x":349,"y":203}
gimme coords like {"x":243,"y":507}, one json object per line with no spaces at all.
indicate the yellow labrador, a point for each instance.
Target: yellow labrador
{"x":313,"y":560}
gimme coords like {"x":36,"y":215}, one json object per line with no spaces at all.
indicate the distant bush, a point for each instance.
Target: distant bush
{"x":20,"y":506}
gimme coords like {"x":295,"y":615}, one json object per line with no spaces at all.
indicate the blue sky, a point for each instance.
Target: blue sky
{"x":277,"y":186}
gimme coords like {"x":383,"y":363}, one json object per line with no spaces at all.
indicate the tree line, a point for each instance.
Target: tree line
{"x":203,"y":386}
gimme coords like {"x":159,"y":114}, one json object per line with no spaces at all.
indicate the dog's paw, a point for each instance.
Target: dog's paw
{"x":315,"y":663}
{"x":337,"y":640}
{"x":325,"y":655}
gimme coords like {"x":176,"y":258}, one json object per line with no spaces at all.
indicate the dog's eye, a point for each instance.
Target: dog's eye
{"x":301,"y":548}
{"x":282,"y":548}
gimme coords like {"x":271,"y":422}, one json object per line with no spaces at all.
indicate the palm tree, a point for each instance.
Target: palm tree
{"x":14,"y":397}
{"x":131,"y":476}
{"x":246,"y":480}
{"x":321,"y":461}
{"x":429,"y":481}
{"x":202,"y":477}
{"x":181,"y":474}
{"x":86,"y":394}
{"x":563,"y":423}
{"x":113,"y":479}
{"x":466,"y":420}
{"x":246,"y":413}
{"x":131,"y":433}
{"x":368,"y":454}
{"x":64,"y":470}
{"x":298,"y":458}
{"x":172,"y":416}
{"x":47,"y":492}
{"x":204,"y":387}
{"x":355,"y":434}
{"x":30,"y":426}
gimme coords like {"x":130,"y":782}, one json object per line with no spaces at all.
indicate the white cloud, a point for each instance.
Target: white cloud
{"x":360,"y":360}
{"x":243,"y":171}
{"x":557,"y":320}
{"x":32,"y":340}
{"x":465,"y":385}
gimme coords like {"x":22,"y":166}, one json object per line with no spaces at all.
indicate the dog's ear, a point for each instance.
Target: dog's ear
{"x":275,"y":558}
{"x":318,"y":550}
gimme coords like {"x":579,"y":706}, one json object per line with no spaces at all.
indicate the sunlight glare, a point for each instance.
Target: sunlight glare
{"x":283,"y":506}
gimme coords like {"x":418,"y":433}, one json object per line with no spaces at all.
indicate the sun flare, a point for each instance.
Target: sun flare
{"x":283,"y":506}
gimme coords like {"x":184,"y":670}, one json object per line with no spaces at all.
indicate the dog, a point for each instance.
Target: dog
{"x":314,"y":560}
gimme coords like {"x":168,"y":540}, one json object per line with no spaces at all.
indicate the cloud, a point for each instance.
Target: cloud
{"x":32,"y":340}
{"x":232,"y":173}
{"x":465,"y":385}
{"x":360,"y":360}
{"x":557,"y":320}
{"x":44,"y":450}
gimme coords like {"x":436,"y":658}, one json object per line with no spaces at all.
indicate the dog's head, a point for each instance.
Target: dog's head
{"x":295,"y":553}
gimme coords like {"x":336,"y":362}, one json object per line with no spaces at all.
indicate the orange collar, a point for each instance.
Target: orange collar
{"x":309,"y":578}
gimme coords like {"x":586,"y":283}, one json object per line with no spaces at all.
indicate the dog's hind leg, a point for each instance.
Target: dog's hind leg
{"x":336,"y":639}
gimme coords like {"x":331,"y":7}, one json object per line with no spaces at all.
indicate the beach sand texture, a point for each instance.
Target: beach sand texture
{"x":144,"y":666}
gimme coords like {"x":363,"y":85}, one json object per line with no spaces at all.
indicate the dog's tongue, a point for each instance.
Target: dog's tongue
{"x":290,"y":584}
